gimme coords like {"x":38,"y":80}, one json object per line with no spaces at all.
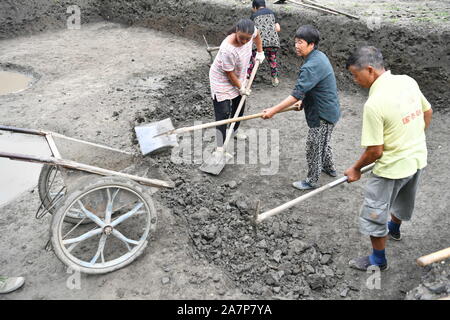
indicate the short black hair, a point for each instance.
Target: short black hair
{"x":243,"y":25}
{"x":366,"y":56}
{"x":258,"y":4}
{"x":309,"y":34}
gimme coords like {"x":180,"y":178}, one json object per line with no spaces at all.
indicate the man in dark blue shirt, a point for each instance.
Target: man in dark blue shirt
{"x":316,"y":92}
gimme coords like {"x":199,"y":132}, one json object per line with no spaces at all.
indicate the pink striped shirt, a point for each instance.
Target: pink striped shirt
{"x":229,"y":58}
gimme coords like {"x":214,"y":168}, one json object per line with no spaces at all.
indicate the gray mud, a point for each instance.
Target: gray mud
{"x":99,"y":82}
{"x":419,"y":47}
{"x":435,"y":283}
{"x":414,"y":36}
{"x":296,"y":255}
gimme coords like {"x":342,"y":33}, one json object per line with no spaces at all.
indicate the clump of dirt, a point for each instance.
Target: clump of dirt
{"x":193,"y":88}
{"x":435,"y":283}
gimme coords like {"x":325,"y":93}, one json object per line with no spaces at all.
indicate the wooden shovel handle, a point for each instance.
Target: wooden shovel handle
{"x":226,"y":121}
{"x":434,"y":257}
{"x":257,"y":115}
{"x":287,"y":205}
{"x":241,"y":104}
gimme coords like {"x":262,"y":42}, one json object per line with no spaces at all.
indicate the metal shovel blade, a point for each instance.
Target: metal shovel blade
{"x":215,"y":163}
{"x":150,"y":138}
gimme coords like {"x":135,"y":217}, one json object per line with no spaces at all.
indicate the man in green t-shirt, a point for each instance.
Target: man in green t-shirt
{"x":395,"y":117}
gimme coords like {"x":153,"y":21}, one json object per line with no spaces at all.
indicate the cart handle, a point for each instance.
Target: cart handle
{"x":22,"y":130}
{"x":87,"y":168}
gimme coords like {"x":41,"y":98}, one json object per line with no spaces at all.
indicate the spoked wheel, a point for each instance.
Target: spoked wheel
{"x":122,"y":216}
{"x":52,"y":190}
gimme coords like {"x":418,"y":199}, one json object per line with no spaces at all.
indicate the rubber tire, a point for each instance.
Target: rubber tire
{"x":43,"y":190}
{"x":83,"y":188}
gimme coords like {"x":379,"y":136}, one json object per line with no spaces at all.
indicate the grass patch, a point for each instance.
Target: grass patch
{"x":442,"y":14}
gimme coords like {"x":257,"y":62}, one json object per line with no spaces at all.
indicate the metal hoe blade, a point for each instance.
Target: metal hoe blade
{"x":151,"y":137}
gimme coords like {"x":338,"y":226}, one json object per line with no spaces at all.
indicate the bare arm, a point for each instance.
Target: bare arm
{"x":289,"y":101}
{"x":258,"y":42}
{"x":370,"y":155}
{"x":233,"y":79}
{"x":427,"y":115}
{"x":277,"y":27}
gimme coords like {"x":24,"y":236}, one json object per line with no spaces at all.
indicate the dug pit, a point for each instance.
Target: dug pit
{"x":105,"y":79}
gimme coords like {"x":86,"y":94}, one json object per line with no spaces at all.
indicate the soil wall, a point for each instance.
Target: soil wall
{"x":24,"y":17}
{"x":419,"y":50}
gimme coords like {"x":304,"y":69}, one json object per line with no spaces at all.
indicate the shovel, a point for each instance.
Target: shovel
{"x":210,"y":49}
{"x":258,"y":218}
{"x":152,"y":137}
{"x":215,"y":164}
{"x":162,"y":135}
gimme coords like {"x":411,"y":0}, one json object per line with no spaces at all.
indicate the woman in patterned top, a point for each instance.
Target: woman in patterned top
{"x":267,"y":23}
{"x":227,"y":74}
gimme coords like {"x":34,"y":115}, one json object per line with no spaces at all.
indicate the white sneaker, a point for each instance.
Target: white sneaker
{"x":8,"y":285}
{"x":275,"y":81}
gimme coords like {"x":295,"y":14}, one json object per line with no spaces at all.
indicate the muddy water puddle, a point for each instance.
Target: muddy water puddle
{"x":17,"y":176}
{"x":13,"y":82}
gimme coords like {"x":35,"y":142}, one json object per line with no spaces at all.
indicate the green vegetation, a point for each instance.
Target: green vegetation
{"x":423,"y":19}
{"x":442,"y":14}
{"x":394,"y":8}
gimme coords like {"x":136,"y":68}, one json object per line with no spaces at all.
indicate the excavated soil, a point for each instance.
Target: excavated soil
{"x":99,"y":82}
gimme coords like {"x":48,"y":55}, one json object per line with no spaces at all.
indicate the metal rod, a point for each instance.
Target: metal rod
{"x":52,"y":145}
{"x":57,"y":135}
{"x":292,"y":203}
{"x":312,"y":7}
{"x":331,"y":9}
{"x":22,"y":130}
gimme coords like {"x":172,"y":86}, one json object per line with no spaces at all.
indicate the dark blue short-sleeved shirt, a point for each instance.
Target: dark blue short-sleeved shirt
{"x":316,"y":87}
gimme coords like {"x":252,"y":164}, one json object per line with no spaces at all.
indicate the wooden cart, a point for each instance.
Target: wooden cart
{"x":102,"y":216}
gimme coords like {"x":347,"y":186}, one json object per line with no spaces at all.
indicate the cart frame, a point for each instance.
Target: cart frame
{"x":107,"y":212}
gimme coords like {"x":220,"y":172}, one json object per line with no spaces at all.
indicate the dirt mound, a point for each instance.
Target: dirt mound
{"x":415,"y":47}
{"x":435,"y":283}
{"x":193,"y":87}
{"x":275,"y":260}
{"x":24,"y":17}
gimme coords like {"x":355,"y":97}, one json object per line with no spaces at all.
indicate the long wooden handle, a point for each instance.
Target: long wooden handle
{"x":434,"y":257}
{"x":87,"y":168}
{"x":226,"y":121}
{"x":57,"y":135}
{"x":22,"y":130}
{"x":241,"y":104}
{"x":292,"y":203}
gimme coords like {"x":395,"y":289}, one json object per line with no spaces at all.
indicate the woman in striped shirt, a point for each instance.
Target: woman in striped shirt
{"x":227,"y":74}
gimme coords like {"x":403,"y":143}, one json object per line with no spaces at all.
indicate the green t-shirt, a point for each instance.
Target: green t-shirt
{"x":393,"y":117}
